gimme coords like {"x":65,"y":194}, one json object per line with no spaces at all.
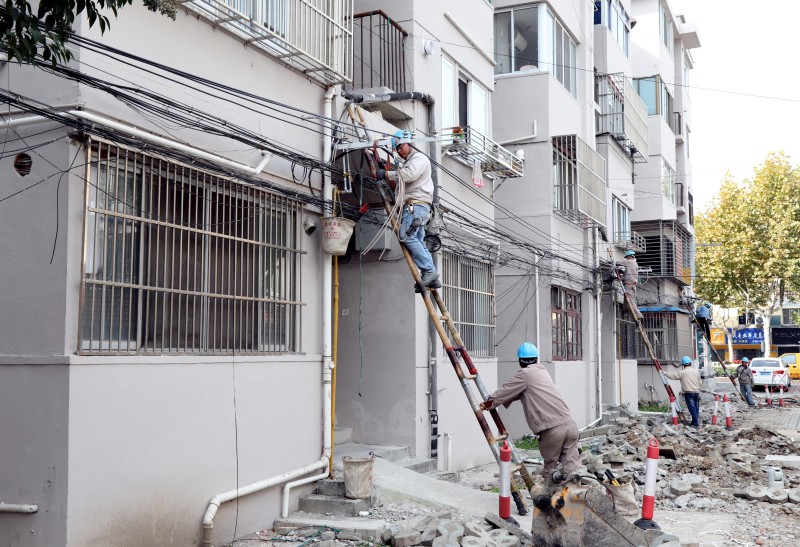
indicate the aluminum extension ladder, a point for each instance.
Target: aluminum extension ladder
{"x":459,"y":358}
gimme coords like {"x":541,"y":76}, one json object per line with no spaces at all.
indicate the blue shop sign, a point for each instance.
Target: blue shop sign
{"x":747,"y":336}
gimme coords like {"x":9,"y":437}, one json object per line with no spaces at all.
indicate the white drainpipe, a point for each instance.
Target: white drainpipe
{"x":327,"y":369}
{"x":18,"y":508}
{"x":145,"y":136}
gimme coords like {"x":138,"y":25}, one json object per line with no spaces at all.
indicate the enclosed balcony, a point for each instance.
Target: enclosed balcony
{"x":668,"y":250}
{"x":579,"y":187}
{"x":468,"y":146}
{"x":623,"y":115}
{"x":314,"y":37}
{"x":379,"y":55}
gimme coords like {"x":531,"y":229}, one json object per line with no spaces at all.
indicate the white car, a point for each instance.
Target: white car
{"x":770,"y":372}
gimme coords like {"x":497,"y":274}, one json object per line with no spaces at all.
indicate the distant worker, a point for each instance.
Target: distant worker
{"x":703,"y":315}
{"x":545,"y":411}
{"x":745,"y":376}
{"x":690,"y":385}
{"x":631,"y":279}
{"x":416,"y":190}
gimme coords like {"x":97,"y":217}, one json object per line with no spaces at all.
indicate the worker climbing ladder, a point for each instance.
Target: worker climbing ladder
{"x":460,"y":359}
{"x":693,"y":315}
{"x":635,"y":314}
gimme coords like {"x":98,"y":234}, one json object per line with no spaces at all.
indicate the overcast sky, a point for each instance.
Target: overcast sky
{"x":745,"y":87}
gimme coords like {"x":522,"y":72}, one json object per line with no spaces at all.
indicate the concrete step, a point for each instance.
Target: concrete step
{"x":364,"y":527}
{"x":419,"y":465}
{"x":330,"y":487}
{"x":342,"y":435}
{"x":356,"y":450}
{"x":332,"y":505}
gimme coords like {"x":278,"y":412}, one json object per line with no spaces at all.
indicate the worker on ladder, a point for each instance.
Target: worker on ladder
{"x":545,"y":411}
{"x":703,"y":316}
{"x":631,"y":279}
{"x":413,"y":187}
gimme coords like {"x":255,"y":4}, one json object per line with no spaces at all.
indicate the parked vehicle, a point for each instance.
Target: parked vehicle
{"x":792,"y":360}
{"x":770,"y":372}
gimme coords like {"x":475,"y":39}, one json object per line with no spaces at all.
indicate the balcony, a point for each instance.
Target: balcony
{"x":379,"y":53}
{"x":468,"y":146}
{"x":579,"y":187}
{"x":668,"y":250}
{"x":623,"y":115}
{"x":313,"y":37}
{"x":630,"y":240}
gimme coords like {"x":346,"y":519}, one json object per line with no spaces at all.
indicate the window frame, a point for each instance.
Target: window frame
{"x":468,"y":286}
{"x":202,"y":264}
{"x":476,"y":101}
{"x":620,"y":219}
{"x":566,"y":317}
{"x":665,"y":27}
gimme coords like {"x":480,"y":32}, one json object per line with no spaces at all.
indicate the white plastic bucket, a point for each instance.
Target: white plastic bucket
{"x":358,"y":477}
{"x":336,"y":233}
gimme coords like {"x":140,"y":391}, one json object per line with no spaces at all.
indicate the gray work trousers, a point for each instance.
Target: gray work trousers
{"x":630,"y":292}
{"x":559,"y":444}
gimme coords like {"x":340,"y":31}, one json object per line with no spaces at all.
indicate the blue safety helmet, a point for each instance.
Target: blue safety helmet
{"x":630,"y":252}
{"x":745,"y":360}
{"x":399,"y":135}
{"x":527,"y":351}
{"x":707,"y":305}
{"x":686,"y":361}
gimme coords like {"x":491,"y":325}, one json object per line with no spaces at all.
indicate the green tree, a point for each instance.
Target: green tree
{"x":746,"y":240}
{"x":24,"y":35}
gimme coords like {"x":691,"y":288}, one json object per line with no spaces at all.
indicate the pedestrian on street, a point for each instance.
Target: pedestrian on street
{"x":745,"y":377}
{"x":703,"y":315}
{"x":412,"y":181}
{"x":690,"y":385}
{"x":630,"y":280}
{"x":545,"y":411}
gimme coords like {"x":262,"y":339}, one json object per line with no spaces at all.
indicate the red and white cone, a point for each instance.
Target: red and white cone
{"x":674,"y":407}
{"x":716,"y":410}
{"x":649,"y":497}
{"x":727,"y":403}
{"x":505,"y":481}
{"x":780,"y":395}
{"x":768,"y":400}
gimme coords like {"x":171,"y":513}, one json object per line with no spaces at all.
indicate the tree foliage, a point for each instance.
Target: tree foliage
{"x":25,"y":34}
{"x":747,"y":253}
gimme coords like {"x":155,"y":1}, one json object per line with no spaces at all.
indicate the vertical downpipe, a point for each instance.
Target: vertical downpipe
{"x":598,"y":288}
{"x":433,"y":338}
{"x":327,"y":274}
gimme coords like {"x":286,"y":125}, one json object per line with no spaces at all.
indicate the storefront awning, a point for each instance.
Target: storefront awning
{"x":662,"y":309}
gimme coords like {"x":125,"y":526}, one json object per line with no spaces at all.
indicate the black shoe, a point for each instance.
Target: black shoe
{"x":417,"y":288}
{"x":431,"y":280}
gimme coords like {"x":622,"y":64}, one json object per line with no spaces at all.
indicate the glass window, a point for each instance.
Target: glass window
{"x":667,"y":181}
{"x":655,"y":95}
{"x":621,"y":217}
{"x":468,"y":289}
{"x":448,"y":94}
{"x":566,"y":318}
{"x":665,"y":27}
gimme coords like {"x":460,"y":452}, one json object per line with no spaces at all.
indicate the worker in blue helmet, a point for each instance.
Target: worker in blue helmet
{"x":411,"y":180}
{"x":690,"y":386}
{"x":630,"y":279}
{"x":703,"y":316}
{"x":545,"y":411}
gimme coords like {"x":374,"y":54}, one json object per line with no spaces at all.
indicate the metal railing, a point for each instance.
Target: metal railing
{"x":379,"y":52}
{"x":623,"y":114}
{"x":468,"y":289}
{"x":314,"y":37}
{"x":668,"y":251}
{"x":177,"y":260}
{"x":579,"y":187}
{"x":630,"y":240}
{"x":468,"y":146}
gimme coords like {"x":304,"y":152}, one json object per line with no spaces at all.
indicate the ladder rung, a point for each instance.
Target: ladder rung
{"x":502,"y":437}
{"x":470,"y":376}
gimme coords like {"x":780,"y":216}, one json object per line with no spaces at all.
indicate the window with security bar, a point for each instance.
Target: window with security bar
{"x":627,"y":333}
{"x":468,"y":290}
{"x":662,"y":332}
{"x":178,"y":260}
{"x":565,"y":312}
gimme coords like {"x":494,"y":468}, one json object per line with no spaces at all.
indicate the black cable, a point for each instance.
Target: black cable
{"x":58,"y":190}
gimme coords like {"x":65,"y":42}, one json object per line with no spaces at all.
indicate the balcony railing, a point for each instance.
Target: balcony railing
{"x":623,"y":114}
{"x":379,"y":52}
{"x":630,"y":240}
{"x":468,"y":146}
{"x":668,"y":250}
{"x":579,"y":187}
{"x":314,"y":37}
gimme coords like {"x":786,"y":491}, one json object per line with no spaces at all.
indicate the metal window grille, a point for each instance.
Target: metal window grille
{"x":628,"y":334}
{"x":468,"y":287}
{"x":665,"y":338}
{"x":566,"y":316}
{"x":667,"y":249}
{"x":379,"y":52}
{"x":579,"y":187}
{"x":622,"y":114}
{"x":177,"y":260}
